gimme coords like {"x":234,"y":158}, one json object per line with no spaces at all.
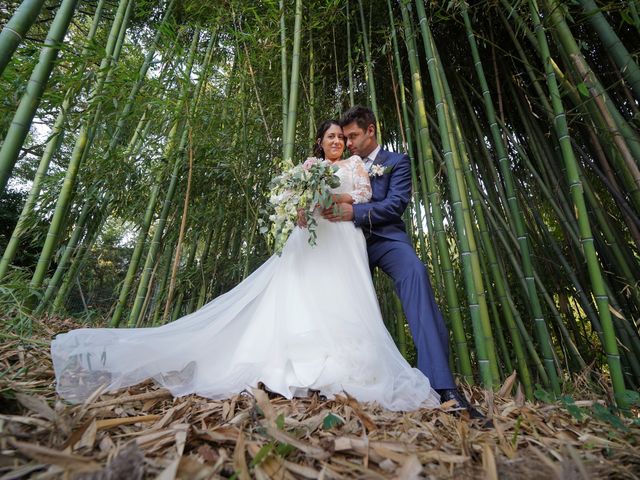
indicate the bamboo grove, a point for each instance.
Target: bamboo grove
{"x":138,"y":139}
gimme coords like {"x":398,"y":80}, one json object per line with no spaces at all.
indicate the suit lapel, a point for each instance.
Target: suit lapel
{"x":381,"y":157}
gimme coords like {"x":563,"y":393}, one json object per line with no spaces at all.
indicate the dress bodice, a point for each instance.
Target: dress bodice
{"x":354,"y":179}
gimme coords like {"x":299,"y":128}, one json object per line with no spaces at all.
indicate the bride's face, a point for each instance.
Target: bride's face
{"x":333,"y":143}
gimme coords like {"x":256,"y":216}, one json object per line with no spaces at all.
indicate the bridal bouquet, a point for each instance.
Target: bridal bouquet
{"x":305,"y":186}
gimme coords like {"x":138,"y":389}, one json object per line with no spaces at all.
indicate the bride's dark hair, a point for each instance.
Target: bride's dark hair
{"x":322,"y":129}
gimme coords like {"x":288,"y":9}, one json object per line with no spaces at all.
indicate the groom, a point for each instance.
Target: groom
{"x":389,"y":248}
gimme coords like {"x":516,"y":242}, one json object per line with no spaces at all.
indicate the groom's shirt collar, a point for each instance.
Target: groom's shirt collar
{"x":369,"y":159}
{"x":372,"y":156}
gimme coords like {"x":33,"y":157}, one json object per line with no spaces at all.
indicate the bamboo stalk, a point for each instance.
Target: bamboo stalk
{"x":460,"y":206}
{"x":349,"y":58}
{"x":294,"y":86}
{"x":434,"y":197}
{"x":560,"y":124}
{"x":514,"y":206}
{"x":21,"y":122}
{"x":183,"y":226}
{"x":16,"y":28}
{"x":369,"y":70}
{"x":623,"y":60}
{"x":80,"y":149}
{"x":284,"y":70}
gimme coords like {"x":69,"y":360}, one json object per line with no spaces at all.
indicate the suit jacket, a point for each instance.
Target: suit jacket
{"x":381,"y":218}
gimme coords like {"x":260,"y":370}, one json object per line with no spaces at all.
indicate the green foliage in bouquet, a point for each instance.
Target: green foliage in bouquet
{"x":303,"y":187}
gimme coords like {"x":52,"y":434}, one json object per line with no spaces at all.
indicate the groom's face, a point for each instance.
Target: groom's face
{"x":360,"y":142}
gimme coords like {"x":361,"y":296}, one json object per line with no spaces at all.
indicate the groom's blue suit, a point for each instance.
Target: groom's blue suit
{"x":389,"y":248}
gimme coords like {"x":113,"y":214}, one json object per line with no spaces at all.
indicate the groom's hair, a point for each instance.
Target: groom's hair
{"x":363,"y":117}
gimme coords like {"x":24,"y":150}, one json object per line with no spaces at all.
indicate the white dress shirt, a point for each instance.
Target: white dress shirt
{"x":369,"y":159}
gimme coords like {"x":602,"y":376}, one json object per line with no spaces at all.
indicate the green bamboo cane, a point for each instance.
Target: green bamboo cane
{"x":401,"y":337}
{"x":198,"y":282}
{"x":560,"y":124}
{"x":454,"y":158}
{"x":617,"y":125}
{"x":221,"y":239}
{"x":173,"y":148}
{"x":312,"y":98}
{"x":338,"y":90}
{"x":517,"y":328}
{"x":436,"y":264}
{"x":471,"y":182}
{"x":148,"y":217}
{"x":119,"y":127}
{"x":349,"y":59}
{"x":435,"y":199}
{"x":80,"y":149}
{"x":53,"y":145}
{"x":465,"y":235}
{"x":623,"y":60}
{"x":152,"y":306}
{"x":369,"y":69}
{"x":567,"y":41}
{"x":514,"y":207}
{"x":81,"y":257}
{"x":293,"y":86}
{"x":16,"y":28}
{"x":491,"y":258}
{"x":464,"y":360}
{"x":70,"y":248}
{"x":487,"y":243}
{"x":165,"y":261}
{"x":183,"y":224}
{"x":493,"y":305}
{"x":634,"y":14}
{"x":177,"y":308}
{"x":21,"y":122}
{"x":284,"y":70}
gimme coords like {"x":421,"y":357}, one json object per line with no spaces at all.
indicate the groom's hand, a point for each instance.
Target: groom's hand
{"x":339,"y":212}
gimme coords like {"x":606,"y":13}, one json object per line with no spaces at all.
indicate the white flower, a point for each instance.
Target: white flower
{"x":377,"y":171}
{"x":303,"y":186}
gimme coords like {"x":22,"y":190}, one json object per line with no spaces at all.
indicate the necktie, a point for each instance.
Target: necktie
{"x":367,"y":163}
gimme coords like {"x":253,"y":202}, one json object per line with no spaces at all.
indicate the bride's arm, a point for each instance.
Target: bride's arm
{"x":361,"y":183}
{"x":342,"y":198}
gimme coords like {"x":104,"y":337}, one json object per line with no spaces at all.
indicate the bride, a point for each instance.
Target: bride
{"x":306,"y":320}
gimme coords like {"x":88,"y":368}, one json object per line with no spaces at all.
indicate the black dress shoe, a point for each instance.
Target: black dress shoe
{"x":461,"y":404}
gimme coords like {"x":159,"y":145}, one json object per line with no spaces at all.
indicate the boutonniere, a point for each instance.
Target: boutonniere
{"x":379,"y":170}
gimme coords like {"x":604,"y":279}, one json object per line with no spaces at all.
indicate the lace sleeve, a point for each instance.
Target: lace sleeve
{"x":361,"y":185}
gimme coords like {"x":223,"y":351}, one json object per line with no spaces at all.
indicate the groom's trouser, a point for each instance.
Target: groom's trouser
{"x":398,"y":260}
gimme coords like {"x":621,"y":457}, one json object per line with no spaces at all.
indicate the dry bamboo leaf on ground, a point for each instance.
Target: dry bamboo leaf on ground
{"x":145,"y":432}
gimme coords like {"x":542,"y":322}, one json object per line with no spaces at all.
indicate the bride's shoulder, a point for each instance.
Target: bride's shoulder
{"x":354,"y":159}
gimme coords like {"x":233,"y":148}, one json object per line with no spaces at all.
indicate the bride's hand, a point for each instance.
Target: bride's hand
{"x":342,"y":198}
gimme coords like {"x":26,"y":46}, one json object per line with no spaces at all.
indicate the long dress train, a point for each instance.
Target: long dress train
{"x":308,"y":319}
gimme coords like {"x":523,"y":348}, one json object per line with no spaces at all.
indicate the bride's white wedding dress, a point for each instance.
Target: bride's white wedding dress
{"x":308,"y":319}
